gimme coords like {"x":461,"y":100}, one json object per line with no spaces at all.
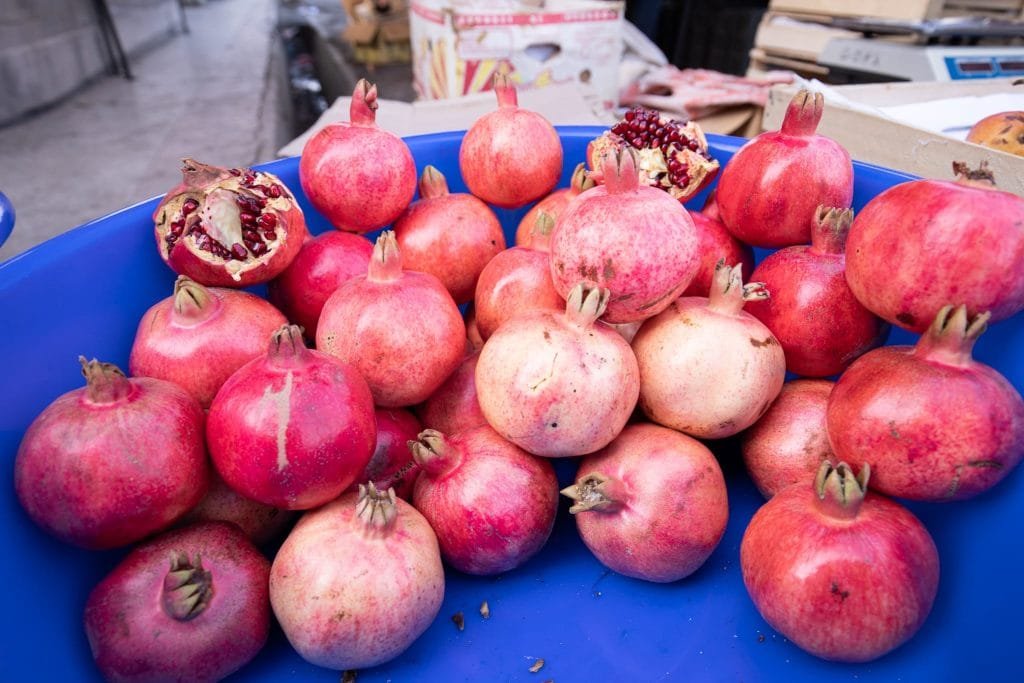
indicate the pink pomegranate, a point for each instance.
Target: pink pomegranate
{"x":113,"y":462}
{"x":228,"y":227}
{"x":198,"y":337}
{"x":790,"y":441}
{"x":323,"y":264}
{"x":553,"y":205}
{"x":392,"y":465}
{"x":189,"y":605}
{"x":558,"y":384}
{"x":775,"y":181}
{"x":716,"y":244}
{"x":451,"y":236}
{"x":710,"y":209}
{"x":636,"y":241}
{"x":707,"y":367}
{"x":261,"y":523}
{"x":844,"y":574}
{"x":292,"y":428}
{"x":400,"y":328}
{"x":925,"y":243}
{"x":454,"y":407}
{"x":358,"y":175}
{"x":474,"y":342}
{"x":934,"y":423}
{"x":491,"y":504}
{"x":812,"y":312}
{"x":517,"y":281}
{"x":511,"y":156}
{"x":357,"y":581}
{"x":651,"y":505}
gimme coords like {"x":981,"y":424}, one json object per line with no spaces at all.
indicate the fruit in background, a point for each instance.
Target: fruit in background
{"x":392,"y":465}
{"x":293,"y":428}
{"x":260,"y":523}
{"x":651,"y":505}
{"x":358,"y":175}
{"x":401,"y":329}
{"x":228,"y":227}
{"x":198,"y":337}
{"x":189,"y":605}
{"x":553,"y":205}
{"x":790,"y":441}
{"x":776,"y":180}
{"x":934,"y":423}
{"x":451,"y":236}
{"x":923,"y":244}
{"x":558,"y":384}
{"x":1003,"y":131}
{"x":812,"y":312}
{"x":634,"y":240}
{"x":716,"y":244}
{"x":111,"y":463}
{"x":511,"y":156}
{"x":357,"y":581}
{"x":323,"y":264}
{"x":707,"y":367}
{"x":454,"y":407}
{"x":845,"y":574}
{"x":491,"y":504}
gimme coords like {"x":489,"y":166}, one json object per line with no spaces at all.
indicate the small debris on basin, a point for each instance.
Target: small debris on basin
{"x":485,"y":610}
{"x":537,"y":666}
{"x":348,"y":676}
{"x":459,"y":620}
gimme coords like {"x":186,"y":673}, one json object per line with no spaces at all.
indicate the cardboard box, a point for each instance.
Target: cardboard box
{"x":375,"y":37}
{"x":458,"y":45}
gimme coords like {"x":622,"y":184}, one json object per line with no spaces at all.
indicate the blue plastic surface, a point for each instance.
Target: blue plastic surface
{"x":6,"y":218}
{"x":84,"y":292}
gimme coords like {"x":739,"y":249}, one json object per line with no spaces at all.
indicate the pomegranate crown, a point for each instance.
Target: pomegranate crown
{"x":803,"y":114}
{"x":951,"y":336}
{"x":980,"y":177}
{"x":432,"y":183}
{"x":830,"y":229}
{"x":377,"y":509}
{"x":728,"y":293}
{"x":363,"y":109}
{"x":431,"y":451}
{"x":585,"y":304}
{"x":188,"y":588}
{"x":839,"y":492}
{"x":595,"y":492}
{"x":505,"y":90}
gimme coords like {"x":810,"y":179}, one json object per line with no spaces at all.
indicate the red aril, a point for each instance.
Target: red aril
{"x":553,"y":205}
{"x":454,"y":407}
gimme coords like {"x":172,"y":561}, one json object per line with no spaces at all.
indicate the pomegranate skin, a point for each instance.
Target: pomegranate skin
{"x":491,"y":504}
{"x":321,"y":266}
{"x":198,"y":337}
{"x":359,"y":176}
{"x":787,"y":445}
{"x":716,"y":243}
{"x":132,"y":635}
{"x":111,"y":463}
{"x":454,"y":406}
{"x":844,"y":588}
{"x":391,"y":465}
{"x":926,"y":243}
{"x":511,"y":156}
{"x":775,"y":181}
{"x":934,"y":424}
{"x":652,"y":504}
{"x":1003,"y":131}
{"x":553,"y":205}
{"x":260,"y":523}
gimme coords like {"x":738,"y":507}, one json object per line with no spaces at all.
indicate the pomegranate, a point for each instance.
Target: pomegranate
{"x":261,"y":523}
{"x":450,"y":236}
{"x":632,"y":239}
{"x":812,"y":312}
{"x":491,"y":504}
{"x":474,"y":342}
{"x":228,"y":227}
{"x":358,"y":175}
{"x":293,"y":428}
{"x":787,"y":445}
{"x":557,"y":384}
{"x":322,"y":265}
{"x":715,"y":244}
{"x":392,"y":465}
{"x":357,"y":581}
{"x":511,"y":156}
{"x":401,"y":329}
{"x":516,"y":281}
{"x":553,"y":205}
{"x":922,"y":244}
{"x":845,"y":574}
{"x":707,"y":367}
{"x":198,"y":337}
{"x":189,"y":605}
{"x":934,"y":423}
{"x":113,"y":462}
{"x":651,"y":505}
{"x":454,"y":406}
{"x":1003,"y":131}
{"x":775,"y":181}
{"x":670,"y":155}
{"x":711,"y":207}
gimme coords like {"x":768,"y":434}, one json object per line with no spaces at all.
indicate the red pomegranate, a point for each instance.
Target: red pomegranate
{"x":454,"y":407}
{"x":553,"y":205}
{"x":261,"y":523}
{"x":715,"y":244}
{"x":392,"y":465}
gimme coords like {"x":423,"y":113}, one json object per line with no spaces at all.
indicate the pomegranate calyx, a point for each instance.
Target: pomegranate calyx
{"x":980,"y":177}
{"x":197,"y":175}
{"x":105,"y":382}
{"x":540,"y":234}
{"x":193,"y":302}
{"x":363,"y":109}
{"x":581,"y":180}
{"x":377,"y":509}
{"x":386,"y":260}
{"x":596,"y":492}
{"x":839,"y":492}
{"x":433,"y":183}
{"x":585,"y":304}
{"x":951,"y":336}
{"x":830,"y":230}
{"x":728,"y":293}
{"x":432,"y":452}
{"x":803,"y":114}
{"x":188,"y":588}
{"x":505,"y":89}
{"x":618,"y":171}
{"x":287,"y":346}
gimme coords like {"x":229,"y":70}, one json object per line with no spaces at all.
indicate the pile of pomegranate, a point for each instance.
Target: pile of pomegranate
{"x":322,"y":456}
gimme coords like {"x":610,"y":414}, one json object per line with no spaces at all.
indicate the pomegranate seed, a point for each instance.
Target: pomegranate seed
{"x":238,"y":251}
{"x":692,"y":144}
{"x":250,"y":234}
{"x":247,"y":218}
{"x":259,"y":249}
{"x":630,"y":115}
{"x":618,"y":128}
{"x":657,"y":141}
{"x":267,"y":221}
{"x":189,"y":206}
{"x":203,"y":241}
{"x":269,"y":235}
{"x":275,"y":191}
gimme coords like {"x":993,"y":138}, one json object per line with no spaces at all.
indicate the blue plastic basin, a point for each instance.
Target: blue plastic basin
{"x":84,"y":292}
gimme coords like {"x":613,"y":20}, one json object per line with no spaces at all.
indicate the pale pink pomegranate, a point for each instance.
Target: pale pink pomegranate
{"x":113,"y":462}
{"x":716,"y":244}
{"x":454,"y":406}
{"x":358,"y":175}
{"x":511,"y":156}
{"x":934,"y":423}
{"x":553,"y":205}
{"x":228,"y":227}
{"x":261,"y":523}
{"x":392,"y":465}
{"x":452,"y":236}
{"x":845,"y":574}
{"x":636,"y":241}
{"x":652,"y":504}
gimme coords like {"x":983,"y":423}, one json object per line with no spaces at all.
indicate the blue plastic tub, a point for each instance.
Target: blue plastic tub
{"x":84,"y":292}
